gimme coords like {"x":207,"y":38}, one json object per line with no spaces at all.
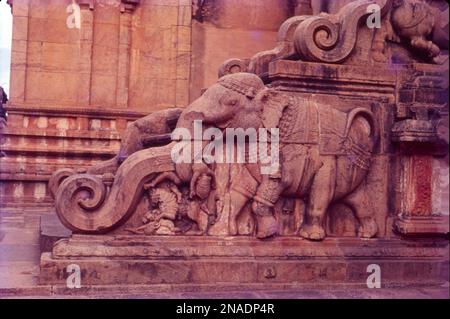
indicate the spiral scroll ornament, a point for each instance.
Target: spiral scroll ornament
{"x":80,"y":193}
{"x":332,"y":38}
{"x":84,"y":205}
{"x":57,"y":178}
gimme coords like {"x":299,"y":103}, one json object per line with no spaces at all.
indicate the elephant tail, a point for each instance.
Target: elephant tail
{"x":360,"y":136}
{"x":365,"y":114}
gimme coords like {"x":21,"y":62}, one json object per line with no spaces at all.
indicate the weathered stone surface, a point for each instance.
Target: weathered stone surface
{"x":241,"y":260}
{"x":360,"y":114}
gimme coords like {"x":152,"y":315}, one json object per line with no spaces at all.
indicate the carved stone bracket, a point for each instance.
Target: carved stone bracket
{"x":323,"y":38}
{"x":331,"y":38}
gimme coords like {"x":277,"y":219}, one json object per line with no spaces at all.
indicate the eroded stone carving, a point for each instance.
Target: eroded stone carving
{"x":333,"y":38}
{"x":357,"y":112}
{"x":318,"y":144}
{"x":325,"y":152}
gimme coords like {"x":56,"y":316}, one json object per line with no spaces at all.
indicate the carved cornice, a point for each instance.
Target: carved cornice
{"x":129,"y":5}
{"x":125,"y":5}
{"x":86,"y":3}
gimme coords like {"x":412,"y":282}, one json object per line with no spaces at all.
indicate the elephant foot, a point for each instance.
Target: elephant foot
{"x":233,"y":229}
{"x":267,"y":226}
{"x":368,"y":228}
{"x":313,"y":232}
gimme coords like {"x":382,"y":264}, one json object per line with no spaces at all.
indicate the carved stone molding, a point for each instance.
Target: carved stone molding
{"x":129,"y":5}
{"x":125,"y":5}
{"x":417,"y":225}
{"x":234,"y":263}
{"x":87,"y":4}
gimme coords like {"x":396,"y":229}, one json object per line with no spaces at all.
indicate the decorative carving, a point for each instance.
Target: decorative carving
{"x":331,"y":38}
{"x":312,"y":156}
{"x":414,"y":21}
{"x":81,"y":201}
{"x":233,"y":66}
{"x":333,"y":95}
{"x":163,"y":209}
{"x":325,"y":152}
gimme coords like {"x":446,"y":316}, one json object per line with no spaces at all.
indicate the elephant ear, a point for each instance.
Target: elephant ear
{"x":273,"y":104}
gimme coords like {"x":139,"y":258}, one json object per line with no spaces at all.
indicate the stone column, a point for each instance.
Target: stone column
{"x":123,"y":72}
{"x":421,"y":101}
{"x":416,"y":210}
{"x":86,"y":42}
{"x":183,"y":54}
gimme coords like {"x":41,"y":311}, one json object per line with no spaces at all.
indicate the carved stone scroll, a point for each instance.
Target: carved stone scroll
{"x":331,"y":38}
{"x":84,"y":206}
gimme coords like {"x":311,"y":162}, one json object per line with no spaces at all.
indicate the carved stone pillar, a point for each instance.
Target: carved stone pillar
{"x":416,"y":214}
{"x":86,"y":42}
{"x":123,"y":71}
{"x":421,"y":100}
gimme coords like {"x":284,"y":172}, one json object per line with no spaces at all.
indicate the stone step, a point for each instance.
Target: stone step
{"x":209,"y":292}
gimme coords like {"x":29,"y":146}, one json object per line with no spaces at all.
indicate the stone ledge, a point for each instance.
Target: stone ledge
{"x":243,"y":260}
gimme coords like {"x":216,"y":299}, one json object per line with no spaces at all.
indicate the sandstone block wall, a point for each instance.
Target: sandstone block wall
{"x":73,"y":91}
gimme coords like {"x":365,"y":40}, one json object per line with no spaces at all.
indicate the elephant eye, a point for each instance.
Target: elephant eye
{"x":232,"y":102}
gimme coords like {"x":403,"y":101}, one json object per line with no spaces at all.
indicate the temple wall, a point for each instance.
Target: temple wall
{"x":73,"y":91}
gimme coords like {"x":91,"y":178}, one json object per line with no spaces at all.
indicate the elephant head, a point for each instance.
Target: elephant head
{"x":239,"y":100}
{"x":231,"y":102}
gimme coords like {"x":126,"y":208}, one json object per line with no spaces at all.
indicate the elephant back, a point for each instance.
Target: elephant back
{"x":334,"y":132}
{"x":299,"y":123}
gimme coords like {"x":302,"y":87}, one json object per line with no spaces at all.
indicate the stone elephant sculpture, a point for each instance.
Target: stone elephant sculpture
{"x":325,"y":154}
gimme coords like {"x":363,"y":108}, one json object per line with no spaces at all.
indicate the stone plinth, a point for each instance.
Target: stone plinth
{"x":244,"y":261}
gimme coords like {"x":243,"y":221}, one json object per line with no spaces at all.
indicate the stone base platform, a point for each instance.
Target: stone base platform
{"x":244,"y":262}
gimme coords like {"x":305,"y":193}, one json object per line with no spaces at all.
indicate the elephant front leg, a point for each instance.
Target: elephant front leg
{"x":238,"y":201}
{"x":267,"y":195}
{"x":322,"y":192}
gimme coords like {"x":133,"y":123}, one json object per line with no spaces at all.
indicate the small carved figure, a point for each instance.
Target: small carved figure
{"x":196,"y":204}
{"x":414,"y":21}
{"x":199,"y":211}
{"x":163,"y":208}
